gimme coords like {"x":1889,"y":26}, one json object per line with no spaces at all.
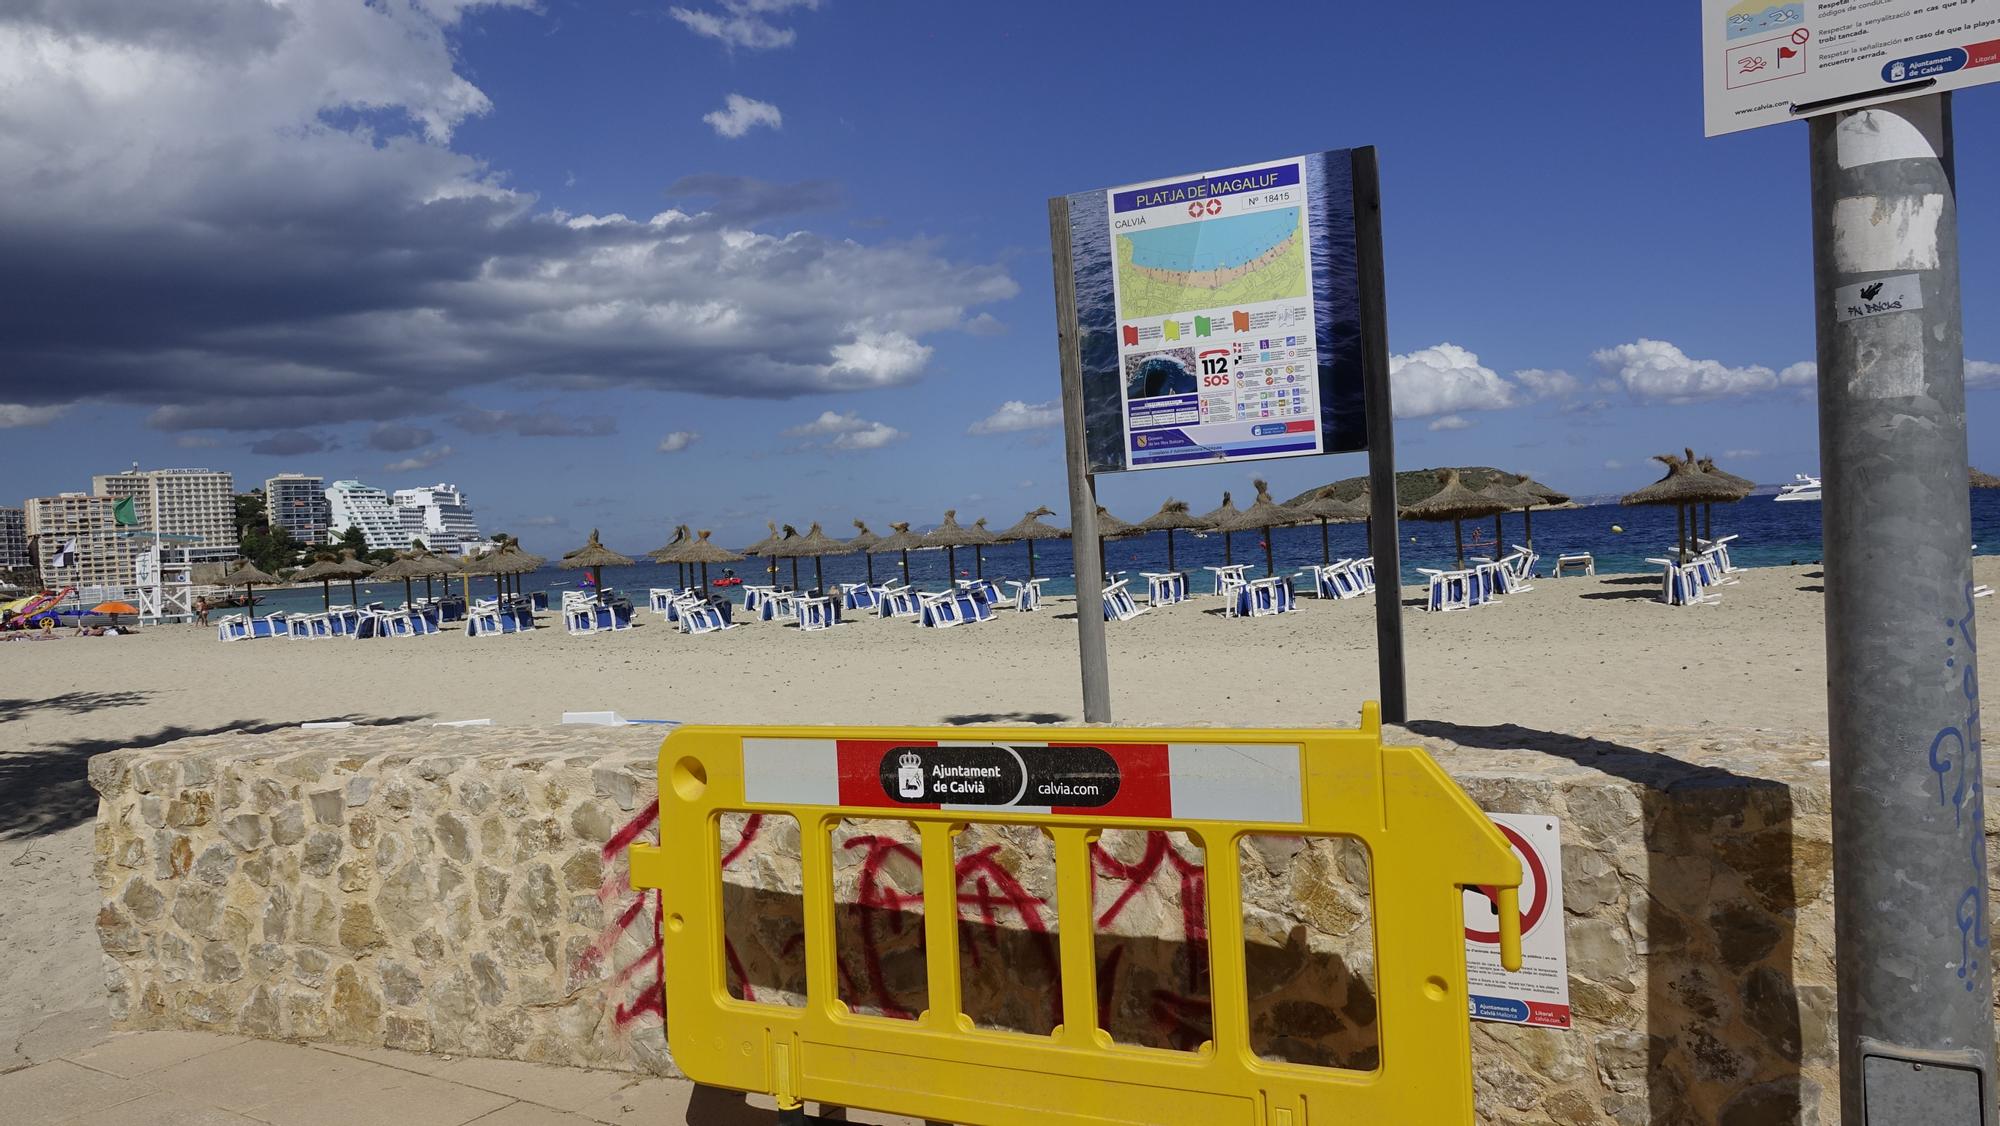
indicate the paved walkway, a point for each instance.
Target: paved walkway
{"x":72,"y":1071}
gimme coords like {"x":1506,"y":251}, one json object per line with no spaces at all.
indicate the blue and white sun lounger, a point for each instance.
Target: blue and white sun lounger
{"x":901,"y":602}
{"x":1165,"y":588}
{"x":1118,"y":603}
{"x":1027,"y":595}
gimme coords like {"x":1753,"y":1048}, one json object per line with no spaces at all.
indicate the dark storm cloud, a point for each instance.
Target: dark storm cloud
{"x":289,"y":443}
{"x":395,"y":438}
{"x":541,"y":423}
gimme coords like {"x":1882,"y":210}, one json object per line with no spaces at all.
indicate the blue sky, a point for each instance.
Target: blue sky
{"x":417,"y":241}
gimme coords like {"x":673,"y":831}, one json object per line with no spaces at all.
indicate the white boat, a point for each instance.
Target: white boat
{"x":1805,"y":488}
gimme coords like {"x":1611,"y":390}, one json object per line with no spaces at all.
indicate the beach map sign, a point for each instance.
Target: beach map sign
{"x":1219,"y":316}
{"x":1765,"y":62}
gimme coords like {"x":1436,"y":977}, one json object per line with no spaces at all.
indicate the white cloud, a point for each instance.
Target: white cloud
{"x":1547,"y":384}
{"x":1451,"y":422}
{"x":1981,"y":374}
{"x":1656,"y":371}
{"x":1444,"y":379}
{"x":1614,"y":464}
{"x":740,"y":114}
{"x":678,"y":440}
{"x":1015,"y":414}
{"x":22,"y":414}
{"x":1802,"y":374}
{"x":849,"y":431}
{"x":423,"y":459}
{"x":290,"y":167}
{"x":1742,"y":455}
{"x":743,"y":23}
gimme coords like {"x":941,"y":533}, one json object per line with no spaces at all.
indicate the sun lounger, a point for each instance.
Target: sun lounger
{"x":699,"y":617}
{"x":1579,"y":562}
{"x":861,"y":598}
{"x":1165,"y":588}
{"x":901,"y":602}
{"x":1118,"y":603}
{"x":1227,"y":579}
{"x":943,"y":610}
{"x":815,"y":613}
{"x":1681,"y":583}
{"x":1027,"y":595}
{"x":1449,"y":590}
{"x":1263,"y":598}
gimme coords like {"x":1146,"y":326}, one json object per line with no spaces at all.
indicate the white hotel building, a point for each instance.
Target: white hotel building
{"x":199,"y":504}
{"x":439,"y":516}
{"x":351,"y":504}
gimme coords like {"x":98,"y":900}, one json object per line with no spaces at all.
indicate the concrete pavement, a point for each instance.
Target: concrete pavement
{"x":72,"y":1071}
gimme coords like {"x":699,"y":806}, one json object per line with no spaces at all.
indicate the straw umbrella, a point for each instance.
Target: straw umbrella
{"x":1543,"y":495}
{"x":786,"y":547}
{"x":430,"y":565}
{"x":986,"y":539}
{"x":328,"y":568}
{"x":1684,"y":484}
{"x":518,"y":563}
{"x":594,"y":557}
{"x":1456,"y":503}
{"x":951,"y":536}
{"x":1173,"y":516}
{"x":1743,"y":486}
{"x":764,"y":547}
{"x":666,"y":554}
{"x":1504,"y":491}
{"x":1327,"y":509}
{"x":703,"y":552}
{"x":405,"y":567}
{"x":1222,"y":518}
{"x":247,"y":576}
{"x":1265,"y":514}
{"x":865,"y":544}
{"x":1030,"y":528}
{"x":901,"y":540}
{"x":816,"y":544}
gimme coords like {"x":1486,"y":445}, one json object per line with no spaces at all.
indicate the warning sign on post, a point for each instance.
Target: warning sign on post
{"x":1538,"y":993}
{"x":1766,"y":61}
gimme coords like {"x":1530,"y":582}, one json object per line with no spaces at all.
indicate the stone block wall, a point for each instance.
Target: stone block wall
{"x":460,"y":890}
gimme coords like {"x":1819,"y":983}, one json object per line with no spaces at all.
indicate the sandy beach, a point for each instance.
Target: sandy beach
{"x":1571,"y":654}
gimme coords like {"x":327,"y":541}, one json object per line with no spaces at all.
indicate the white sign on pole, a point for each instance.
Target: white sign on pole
{"x":1537,"y":993}
{"x":1212,"y":281}
{"x":1767,"y":61}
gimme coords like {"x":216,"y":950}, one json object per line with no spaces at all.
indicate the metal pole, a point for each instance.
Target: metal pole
{"x":1381,"y":438}
{"x":1082,"y":489}
{"x":1909,"y":851}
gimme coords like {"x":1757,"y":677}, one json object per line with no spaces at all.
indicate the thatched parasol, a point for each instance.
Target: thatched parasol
{"x":1514,"y":498}
{"x":786,"y":546}
{"x":1172,"y":517}
{"x":1743,"y":486}
{"x":1684,"y":484}
{"x":331,"y":567}
{"x":951,"y":536}
{"x":986,"y":539}
{"x":1030,"y":528}
{"x":1330,"y":509}
{"x":1543,"y":495}
{"x":766,"y":547}
{"x":1223,"y":518}
{"x":816,"y":544}
{"x":1456,"y":503}
{"x":700,"y":551}
{"x":901,"y":540}
{"x":682,"y":538}
{"x":865,"y":544}
{"x":501,"y":563}
{"x":246,"y":575}
{"x":1110,"y":527}
{"x":416,"y":563}
{"x":1265,"y":514}
{"x":594,"y":557}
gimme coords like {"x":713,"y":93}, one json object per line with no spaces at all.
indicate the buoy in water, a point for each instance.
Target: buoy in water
{"x":1618,"y":529}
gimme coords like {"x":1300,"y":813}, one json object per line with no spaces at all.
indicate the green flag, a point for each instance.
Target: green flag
{"x":124,"y":512}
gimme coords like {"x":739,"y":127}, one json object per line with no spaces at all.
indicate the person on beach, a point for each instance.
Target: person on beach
{"x":201,"y":611}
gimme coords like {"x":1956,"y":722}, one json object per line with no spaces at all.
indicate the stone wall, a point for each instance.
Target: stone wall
{"x":459,"y":890}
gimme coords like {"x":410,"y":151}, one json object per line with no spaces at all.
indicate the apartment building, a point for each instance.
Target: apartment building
{"x":77,"y":543}
{"x":297,"y":503}
{"x":199,"y":504}
{"x":439,"y":517}
{"x":351,"y":504}
{"x":14,"y":540}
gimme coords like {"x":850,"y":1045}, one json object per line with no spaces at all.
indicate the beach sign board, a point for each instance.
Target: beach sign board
{"x":1767,"y":61}
{"x":1218,"y":315}
{"x":1537,"y":993}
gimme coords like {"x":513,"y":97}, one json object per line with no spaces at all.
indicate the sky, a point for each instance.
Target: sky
{"x":727,"y":261}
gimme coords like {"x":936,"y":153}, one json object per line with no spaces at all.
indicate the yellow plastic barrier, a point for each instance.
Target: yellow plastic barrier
{"x":1425,"y":838}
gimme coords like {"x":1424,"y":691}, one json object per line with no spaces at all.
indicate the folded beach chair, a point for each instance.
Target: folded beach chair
{"x":901,"y":602}
{"x":776,"y":606}
{"x":1266,"y":597}
{"x":1718,"y":552}
{"x":1580,"y":562}
{"x":815,"y":613}
{"x":1526,"y":568}
{"x":943,"y":610}
{"x":862,"y":598}
{"x":1449,"y":590}
{"x":1027,"y":595}
{"x":1340,"y":579}
{"x":1227,"y":579}
{"x":1118,"y":603}
{"x":299,"y":627}
{"x":1165,"y":589}
{"x":236,"y":627}
{"x":1681,"y":584}
{"x":699,"y":616}
{"x":661,"y":599}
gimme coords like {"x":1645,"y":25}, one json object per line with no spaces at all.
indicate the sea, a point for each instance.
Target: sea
{"x":1769,"y":534}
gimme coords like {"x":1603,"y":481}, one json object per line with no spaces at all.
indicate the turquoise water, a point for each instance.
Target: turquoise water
{"x":1770,"y":534}
{"x":1216,"y":244}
